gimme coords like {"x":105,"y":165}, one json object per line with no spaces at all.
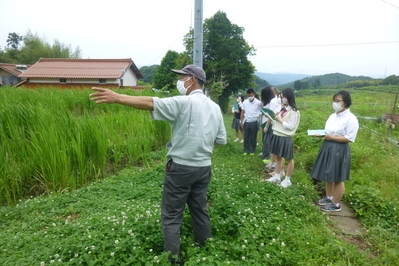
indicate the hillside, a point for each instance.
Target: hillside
{"x":328,"y":79}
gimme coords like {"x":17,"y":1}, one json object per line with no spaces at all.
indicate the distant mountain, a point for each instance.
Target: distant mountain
{"x":280,"y":78}
{"x":329,"y":79}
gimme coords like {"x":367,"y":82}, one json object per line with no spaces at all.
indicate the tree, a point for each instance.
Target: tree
{"x":317,"y":83}
{"x":14,"y":40}
{"x":33,"y":48}
{"x":297,"y":85}
{"x":391,"y":80}
{"x":148,"y":73}
{"x":226,"y":55}
{"x":163,"y":77}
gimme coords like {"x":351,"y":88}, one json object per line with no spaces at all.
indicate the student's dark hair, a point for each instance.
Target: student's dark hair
{"x":346,"y":97}
{"x":241,"y":97}
{"x":249,"y":91}
{"x":289,"y":94}
{"x":266,"y":95}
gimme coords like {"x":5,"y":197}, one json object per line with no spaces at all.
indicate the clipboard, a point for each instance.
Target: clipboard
{"x":235,"y":106}
{"x":268,"y":112}
{"x":312,"y":132}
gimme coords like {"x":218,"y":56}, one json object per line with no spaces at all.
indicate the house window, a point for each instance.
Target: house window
{"x":63,"y":80}
{"x":103,"y":81}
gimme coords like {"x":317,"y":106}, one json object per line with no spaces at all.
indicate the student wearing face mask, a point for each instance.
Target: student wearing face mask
{"x":237,"y":108}
{"x":197,"y":125}
{"x":249,"y":121}
{"x":282,"y":143}
{"x":333,"y":161}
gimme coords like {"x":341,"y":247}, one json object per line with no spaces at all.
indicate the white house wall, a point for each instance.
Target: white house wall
{"x":129,"y":79}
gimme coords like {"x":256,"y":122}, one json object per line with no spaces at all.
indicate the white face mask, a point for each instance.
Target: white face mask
{"x":284,"y":100}
{"x":180,"y":86}
{"x":251,"y":98}
{"x":238,"y":100}
{"x":337,"y":106}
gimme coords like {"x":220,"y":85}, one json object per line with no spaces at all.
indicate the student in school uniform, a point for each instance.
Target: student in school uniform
{"x":269,"y":101}
{"x":282,"y":144}
{"x":334,"y":158}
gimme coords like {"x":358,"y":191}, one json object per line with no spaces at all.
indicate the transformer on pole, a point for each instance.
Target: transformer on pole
{"x":198,"y":34}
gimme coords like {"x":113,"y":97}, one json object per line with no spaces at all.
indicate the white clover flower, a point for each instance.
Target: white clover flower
{"x":204,"y":258}
{"x":267,"y":255}
{"x":273,"y":240}
{"x":130,"y":232}
{"x":93,"y":247}
{"x":245,"y":241}
{"x":243,"y":258}
{"x":278,"y":228}
{"x":42,"y":263}
{"x":52,"y":261}
{"x":283,"y":244}
{"x":112,"y":254}
{"x":262,"y":244}
{"x":76,"y":255}
{"x":116,"y":241}
{"x":150,"y":250}
{"x":243,"y":246}
{"x":155,"y":257}
{"x":56,"y":256}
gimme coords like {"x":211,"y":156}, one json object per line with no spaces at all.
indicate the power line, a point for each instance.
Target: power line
{"x":390,"y":4}
{"x":317,"y":45}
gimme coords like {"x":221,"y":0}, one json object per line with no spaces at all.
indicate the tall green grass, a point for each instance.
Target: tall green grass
{"x":53,"y":140}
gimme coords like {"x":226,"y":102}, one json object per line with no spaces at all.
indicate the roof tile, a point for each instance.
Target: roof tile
{"x":80,"y":68}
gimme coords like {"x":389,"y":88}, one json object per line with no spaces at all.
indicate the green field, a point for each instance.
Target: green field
{"x":114,"y":219}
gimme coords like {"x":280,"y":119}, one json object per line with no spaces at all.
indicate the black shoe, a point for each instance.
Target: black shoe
{"x":175,"y":261}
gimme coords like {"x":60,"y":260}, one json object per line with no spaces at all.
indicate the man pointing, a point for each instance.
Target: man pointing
{"x":197,"y":125}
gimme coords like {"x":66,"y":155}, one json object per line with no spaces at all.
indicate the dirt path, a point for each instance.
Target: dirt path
{"x":348,"y":227}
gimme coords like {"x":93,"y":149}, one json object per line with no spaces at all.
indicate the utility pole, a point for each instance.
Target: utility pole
{"x":198,"y":34}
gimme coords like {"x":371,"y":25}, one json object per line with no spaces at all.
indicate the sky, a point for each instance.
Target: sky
{"x":312,"y":37}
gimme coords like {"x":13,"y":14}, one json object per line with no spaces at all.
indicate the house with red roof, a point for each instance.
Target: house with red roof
{"x":9,"y":74}
{"x":66,"y":73}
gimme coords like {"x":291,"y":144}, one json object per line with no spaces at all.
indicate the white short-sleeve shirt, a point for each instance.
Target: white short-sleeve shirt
{"x":343,"y":124}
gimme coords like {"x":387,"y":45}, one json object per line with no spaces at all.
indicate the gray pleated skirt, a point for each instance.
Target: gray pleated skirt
{"x":333,"y":162}
{"x":236,"y":124}
{"x":282,"y":147}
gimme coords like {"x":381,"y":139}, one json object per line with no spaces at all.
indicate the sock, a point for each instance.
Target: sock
{"x":337,"y":204}
{"x":330,"y":197}
{"x":287,"y":178}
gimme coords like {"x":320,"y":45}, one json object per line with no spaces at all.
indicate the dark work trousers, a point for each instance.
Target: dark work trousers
{"x":250,"y":133}
{"x":267,"y":138}
{"x":184,"y":184}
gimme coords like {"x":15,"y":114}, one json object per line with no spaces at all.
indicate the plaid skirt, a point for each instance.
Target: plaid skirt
{"x":282,"y":147}
{"x":333,"y":162}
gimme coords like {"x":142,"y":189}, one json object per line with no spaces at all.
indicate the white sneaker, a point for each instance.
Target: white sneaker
{"x":236,"y":140}
{"x":274,"y":179}
{"x":286,"y":183}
